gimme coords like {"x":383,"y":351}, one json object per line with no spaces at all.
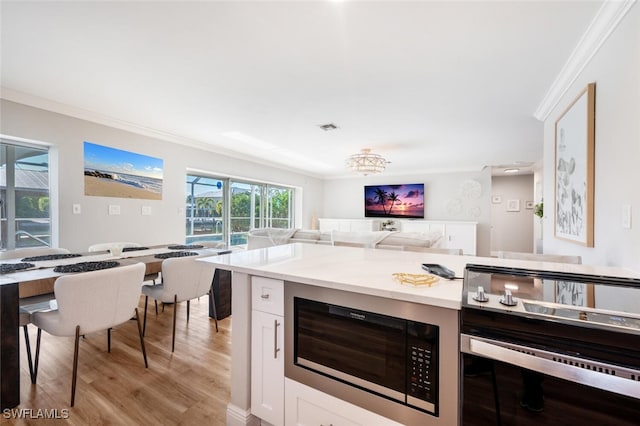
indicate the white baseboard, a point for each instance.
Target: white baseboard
{"x":239,"y":417}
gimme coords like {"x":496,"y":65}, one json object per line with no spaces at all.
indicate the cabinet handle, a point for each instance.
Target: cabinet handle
{"x":276,"y":349}
{"x":265,"y":297}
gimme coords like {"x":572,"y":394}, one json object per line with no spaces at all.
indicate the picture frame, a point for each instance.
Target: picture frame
{"x":575,"y":294}
{"x":528,"y":205}
{"x":496,"y":199}
{"x":513,"y":205}
{"x":574,"y":169}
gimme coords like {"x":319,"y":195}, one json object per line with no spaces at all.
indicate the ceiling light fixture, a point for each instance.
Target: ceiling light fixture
{"x":366,"y":162}
{"x":511,"y":170}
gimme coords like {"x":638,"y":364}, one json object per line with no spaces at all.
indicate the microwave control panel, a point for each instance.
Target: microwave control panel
{"x":422,"y":362}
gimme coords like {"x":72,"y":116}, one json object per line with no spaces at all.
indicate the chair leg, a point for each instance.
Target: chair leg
{"x":35,"y":365}
{"x":175,"y":309}
{"x":213,"y":304}
{"x":188,"y":309}
{"x":74,"y":379}
{"x":28,"y":344}
{"x":144,"y":327}
{"x":155,"y":301}
{"x":144,"y":351}
{"x":109,"y":340}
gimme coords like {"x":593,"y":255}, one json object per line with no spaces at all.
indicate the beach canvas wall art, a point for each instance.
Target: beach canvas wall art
{"x":110,"y":172}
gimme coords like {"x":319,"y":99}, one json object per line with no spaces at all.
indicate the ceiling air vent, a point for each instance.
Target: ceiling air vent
{"x":328,"y":126}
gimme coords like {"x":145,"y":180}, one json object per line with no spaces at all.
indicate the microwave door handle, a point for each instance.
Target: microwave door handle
{"x":494,"y":350}
{"x":276,"y":349}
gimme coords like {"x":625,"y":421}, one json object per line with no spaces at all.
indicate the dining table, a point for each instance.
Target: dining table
{"x":38,"y":278}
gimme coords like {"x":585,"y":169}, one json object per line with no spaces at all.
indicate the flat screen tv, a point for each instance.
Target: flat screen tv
{"x":400,"y":201}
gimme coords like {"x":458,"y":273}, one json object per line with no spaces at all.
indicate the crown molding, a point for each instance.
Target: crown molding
{"x":606,"y":20}
{"x":87,"y":115}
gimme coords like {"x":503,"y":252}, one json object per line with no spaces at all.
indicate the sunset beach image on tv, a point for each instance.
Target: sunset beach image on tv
{"x":401,"y":201}
{"x":110,"y":172}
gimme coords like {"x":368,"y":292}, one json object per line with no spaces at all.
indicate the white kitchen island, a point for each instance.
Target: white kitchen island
{"x":363,"y":273}
{"x":366,"y":272}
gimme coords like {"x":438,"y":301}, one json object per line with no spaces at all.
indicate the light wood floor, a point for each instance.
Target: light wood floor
{"x":187,"y":387}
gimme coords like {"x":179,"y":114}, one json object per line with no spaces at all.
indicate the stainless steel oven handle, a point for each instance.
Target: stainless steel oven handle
{"x":276,"y":349}
{"x":536,"y":360}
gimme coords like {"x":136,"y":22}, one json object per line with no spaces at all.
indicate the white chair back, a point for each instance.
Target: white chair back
{"x":186,"y":278}
{"x":95,"y":300}
{"x":109,"y":246}
{"x":29,"y":252}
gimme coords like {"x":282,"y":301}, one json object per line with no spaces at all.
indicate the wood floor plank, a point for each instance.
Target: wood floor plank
{"x":188,"y":386}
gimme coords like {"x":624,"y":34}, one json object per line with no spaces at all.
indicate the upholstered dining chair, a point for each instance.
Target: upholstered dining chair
{"x":29,"y":252}
{"x":183,"y":279}
{"x":90,"y":302}
{"x":122,"y":245}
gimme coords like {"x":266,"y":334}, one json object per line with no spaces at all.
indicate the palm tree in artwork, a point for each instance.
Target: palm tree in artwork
{"x":381,"y":198}
{"x":393,"y":197}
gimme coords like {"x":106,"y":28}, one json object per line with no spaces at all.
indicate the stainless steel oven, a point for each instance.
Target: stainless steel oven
{"x":549,"y":348}
{"x":381,"y":354}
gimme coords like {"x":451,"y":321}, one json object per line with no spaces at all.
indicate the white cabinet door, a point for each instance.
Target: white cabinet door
{"x":461,"y":236}
{"x":414,"y":226}
{"x":267,"y":367}
{"x":349,"y":225}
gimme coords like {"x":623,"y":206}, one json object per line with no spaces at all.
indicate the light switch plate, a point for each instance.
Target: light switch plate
{"x":626,"y":216}
{"x":146,"y":210}
{"x":77,"y":209}
{"x":114,"y":209}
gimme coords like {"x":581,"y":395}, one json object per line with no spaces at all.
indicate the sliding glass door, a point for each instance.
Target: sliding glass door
{"x":225,"y":210}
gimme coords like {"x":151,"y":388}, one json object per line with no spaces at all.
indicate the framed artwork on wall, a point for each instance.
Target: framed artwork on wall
{"x":574,"y":169}
{"x":513,"y":205}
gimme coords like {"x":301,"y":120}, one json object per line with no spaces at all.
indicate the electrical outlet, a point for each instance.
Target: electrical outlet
{"x":77,"y":209}
{"x":146,"y":210}
{"x":114,"y":209}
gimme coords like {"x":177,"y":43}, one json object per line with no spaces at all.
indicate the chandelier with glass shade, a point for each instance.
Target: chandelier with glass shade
{"x":366,"y":162}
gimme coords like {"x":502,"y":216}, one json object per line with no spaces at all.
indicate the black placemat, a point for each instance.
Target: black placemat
{"x":134,"y":248}
{"x":86,"y":266}
{"x":7,"y":268}
{"x":187,"y":247}
{"x":50,"y":257}
{"x":175,"y":254}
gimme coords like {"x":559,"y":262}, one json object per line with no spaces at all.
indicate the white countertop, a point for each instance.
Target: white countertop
{"x":369,"y":271}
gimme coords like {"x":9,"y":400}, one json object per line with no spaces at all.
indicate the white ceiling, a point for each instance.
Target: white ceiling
{"x":431,"y":86}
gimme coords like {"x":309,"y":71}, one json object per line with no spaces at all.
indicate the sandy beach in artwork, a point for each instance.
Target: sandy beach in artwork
{"x":109,"y":188}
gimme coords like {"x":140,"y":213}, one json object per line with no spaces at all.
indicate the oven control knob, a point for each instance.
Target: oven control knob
{"x":508,"y":299}
{"x":480,"y":296}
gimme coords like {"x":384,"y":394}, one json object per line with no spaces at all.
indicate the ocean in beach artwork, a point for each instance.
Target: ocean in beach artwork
{"x":110,"y":172}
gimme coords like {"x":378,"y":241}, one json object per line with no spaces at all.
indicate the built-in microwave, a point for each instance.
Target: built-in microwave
{"x":372,"y":357}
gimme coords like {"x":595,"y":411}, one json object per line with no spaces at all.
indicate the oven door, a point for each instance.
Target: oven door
{"x":507,"y":384}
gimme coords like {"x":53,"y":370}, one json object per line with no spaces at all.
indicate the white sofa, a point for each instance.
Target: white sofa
{"x":268,"y":237}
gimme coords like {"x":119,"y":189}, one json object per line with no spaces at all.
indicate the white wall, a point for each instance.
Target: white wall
{"x":167,"y":222}
{"x":616,"y":71}
{"x":445,"y":198}
{"x":510,"y":230}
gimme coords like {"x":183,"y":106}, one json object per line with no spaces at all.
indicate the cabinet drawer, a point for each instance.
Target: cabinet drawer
{"x":267,"y":295}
